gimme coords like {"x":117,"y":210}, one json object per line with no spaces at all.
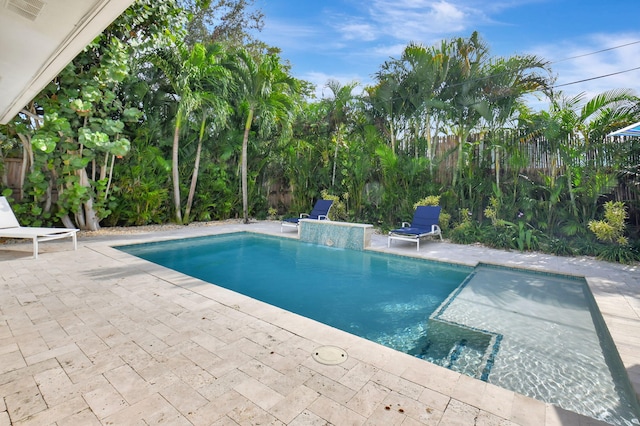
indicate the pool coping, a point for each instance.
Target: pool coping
{"x":615,"y":288}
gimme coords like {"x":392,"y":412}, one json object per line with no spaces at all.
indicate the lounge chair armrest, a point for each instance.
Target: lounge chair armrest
{"x":406,"y":225}
{"x":435,"y":229}
{"x":322,"y":217}
{"x":303,"y":215}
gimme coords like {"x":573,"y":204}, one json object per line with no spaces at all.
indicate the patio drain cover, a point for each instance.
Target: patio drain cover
{"x":330,"y":355}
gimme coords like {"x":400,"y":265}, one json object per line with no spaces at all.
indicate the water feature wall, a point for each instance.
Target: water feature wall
{"x":355,"y":236}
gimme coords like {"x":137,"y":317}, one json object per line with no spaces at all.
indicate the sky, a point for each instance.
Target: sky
{"x":348,"y":40}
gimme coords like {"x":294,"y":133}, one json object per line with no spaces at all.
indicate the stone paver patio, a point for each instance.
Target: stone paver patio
{"x":100,"y":337}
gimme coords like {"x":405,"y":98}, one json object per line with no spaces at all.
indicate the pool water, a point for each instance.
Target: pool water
{"x":527,"y":332}
{"x":321,"y":283}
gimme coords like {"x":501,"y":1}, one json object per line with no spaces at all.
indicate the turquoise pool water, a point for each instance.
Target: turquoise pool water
{"x":532,"y":333}
{"x":317,"y":282}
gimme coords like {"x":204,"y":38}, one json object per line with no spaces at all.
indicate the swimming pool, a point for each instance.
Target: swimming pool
{"x":531,"y":333}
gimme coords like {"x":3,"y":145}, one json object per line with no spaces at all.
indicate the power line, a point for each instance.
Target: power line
{"x":596,"y":52}
{"x":567,"y":59}
{"x":596,"y":78}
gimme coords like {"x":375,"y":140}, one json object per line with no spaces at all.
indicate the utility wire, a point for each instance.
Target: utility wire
{"x":567,"y":59}
{"x":595,"y":78}
{"x":596,"y":52}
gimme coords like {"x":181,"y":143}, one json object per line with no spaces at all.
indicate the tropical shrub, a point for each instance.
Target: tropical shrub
{"x":619,"y":253}
{"x":466,"y":231}
{"x":526,"y":237}
{"x":430,"y":200}
{"x":141,"y":189}
{"x":338,"y":209}
{"x":588,"y":246}
{"x":611,"y":229}
{"x":500,"y":236}
{"x":559,"y":247}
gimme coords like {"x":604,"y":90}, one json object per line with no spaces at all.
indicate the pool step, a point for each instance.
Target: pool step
{"x":454,"y":353}
{"x":459,"y":348}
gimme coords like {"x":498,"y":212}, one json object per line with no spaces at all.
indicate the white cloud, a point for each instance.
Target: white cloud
{"x":387,"y":51}
{"x":420,"y":20}
{"x":358,"y":31}
{"x":406,"y":20}
{"x":289,"y":35}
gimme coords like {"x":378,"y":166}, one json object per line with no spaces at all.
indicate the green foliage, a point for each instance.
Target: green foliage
{"x":611,"y":229}
{"x":587,"y":246}
{"x":142,"y":196}
{"x":619,"y":253}
{"x":430,"y":200}
{"x":466,"y":231}
{"x":217,"y":199}
{"x":491,"y":211}
{"x":444,"y":220}
{"x":338,"y":210}
{"x":31,"y":214}
{"x":559,"y":247}
{"x":500,"y":236}
{"x":526,"y":238}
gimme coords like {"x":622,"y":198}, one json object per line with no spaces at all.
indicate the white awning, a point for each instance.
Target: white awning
{"x":633,"y":130}
{"x":38,"y":39}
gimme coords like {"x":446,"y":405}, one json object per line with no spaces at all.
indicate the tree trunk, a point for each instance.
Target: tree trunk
{"x":66,"y":222}
{"x":91,"y":221}
{"x":335,"y":156}
{"x":194,"y":176}
{"x":245,"y":143}
{"x":392,"y":130}
{"x":497,"y":160}
{"x":106,"y":192}
{"x":27,"y":160}
{"x":458,"y":165}
{"x":174,"y":170}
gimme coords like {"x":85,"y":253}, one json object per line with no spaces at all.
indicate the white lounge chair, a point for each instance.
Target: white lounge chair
{"x":10,"y":228}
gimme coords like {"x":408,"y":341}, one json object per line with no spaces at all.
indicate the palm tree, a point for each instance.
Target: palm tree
{"x":196,"y":80}
{"x":427,"y":72}
{"x":386,"y":102}
{"x":339,"y":106}
{"x":181,"y":68}
{"x":571,"y":124}
{"x":463,"y":91}
{"x":214,"y":110}
{"x":507,"y":81}
{"x":265,"y":96}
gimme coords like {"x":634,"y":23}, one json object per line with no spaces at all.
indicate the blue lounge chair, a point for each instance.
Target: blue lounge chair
{"x":424,"y":224}
{"x":320,"y":212}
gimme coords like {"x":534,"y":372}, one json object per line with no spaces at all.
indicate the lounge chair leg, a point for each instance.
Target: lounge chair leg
{"x":35,"y":248}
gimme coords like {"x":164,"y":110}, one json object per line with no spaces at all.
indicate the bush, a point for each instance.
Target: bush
{"x":466,"y":232}
{"x":499,"y":236}
{"x":430,"y":200}
{"x":338,"y":210}
{"x":559,"y":247}
{"x":619,"y":253}
{"x":611,"y":229}
{"x":588,"y":247}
